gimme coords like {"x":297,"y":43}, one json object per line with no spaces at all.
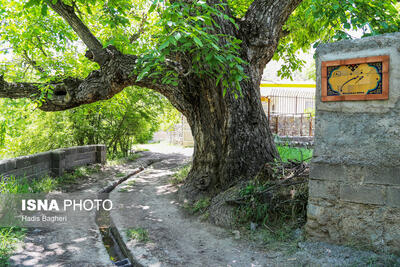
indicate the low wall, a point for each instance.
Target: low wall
{"x":54,"y":162}
{"x":295,"y":141}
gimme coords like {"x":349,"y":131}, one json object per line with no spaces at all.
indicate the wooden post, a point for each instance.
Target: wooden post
{"x":284,"y":123}
{"x":310,"y":130}
{"x":276,"y":124}
{"x":269,"y":110}
{"x":301,"y":124}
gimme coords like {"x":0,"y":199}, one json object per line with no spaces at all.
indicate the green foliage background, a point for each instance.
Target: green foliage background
{"x":128,"y":118}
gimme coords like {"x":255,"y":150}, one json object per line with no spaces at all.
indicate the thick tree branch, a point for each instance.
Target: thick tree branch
{"x":68,"y":14}
{"x":115,"y":74}
{"x":17,"y":90}
{"x":262,"y":25}
{"x":266,"y":18}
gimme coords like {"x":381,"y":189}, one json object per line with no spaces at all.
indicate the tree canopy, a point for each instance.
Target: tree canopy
{"x":44,"y":48}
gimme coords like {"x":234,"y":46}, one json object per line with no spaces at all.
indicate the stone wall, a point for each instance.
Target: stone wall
{"x":354,"y":190}
{"x":52,"y":163}
{"x":295,"y":141}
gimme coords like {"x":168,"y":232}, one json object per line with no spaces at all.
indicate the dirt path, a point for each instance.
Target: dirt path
{"x":148,"y":202}
{"x":179,"y":239}
{"x":176,"y":239}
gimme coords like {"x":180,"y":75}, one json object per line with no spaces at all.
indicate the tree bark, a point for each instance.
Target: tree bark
{"x":232,"y":139}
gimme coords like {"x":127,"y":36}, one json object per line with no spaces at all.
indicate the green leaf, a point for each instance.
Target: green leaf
{"x":336,"y":6}
{"x":178,"y":36}
{"x":218,"y":79}
{"x":143,"y":73}
{"x":31,"y":3}
{"x":153,"y":6}
{"x":197,"y":41}
{"x":164,"y":45}
{"x":44,"y":10}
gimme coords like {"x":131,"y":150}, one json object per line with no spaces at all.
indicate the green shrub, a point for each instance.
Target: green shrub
{"x":79,"y":173}
{"x":12,"y":185}
{"x":9,"y":238}
{"x":201,"y":205}
{"x":129,"y":118}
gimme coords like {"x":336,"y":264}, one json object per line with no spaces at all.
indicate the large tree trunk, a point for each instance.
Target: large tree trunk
{"x":232,"y":138}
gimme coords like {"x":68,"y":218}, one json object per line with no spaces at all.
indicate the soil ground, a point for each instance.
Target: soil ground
{"x":175,"y":237}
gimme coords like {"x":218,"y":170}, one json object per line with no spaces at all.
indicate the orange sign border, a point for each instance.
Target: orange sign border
{"x":385,"y":79}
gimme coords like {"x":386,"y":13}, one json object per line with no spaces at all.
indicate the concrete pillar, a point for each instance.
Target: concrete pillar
{"x":101,"y":154}
{"x":354,"y":194}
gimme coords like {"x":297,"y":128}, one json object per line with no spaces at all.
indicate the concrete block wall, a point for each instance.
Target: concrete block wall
{"x":295,"y":141}
{"x":52,"y":163}
{"x":354,"y":189}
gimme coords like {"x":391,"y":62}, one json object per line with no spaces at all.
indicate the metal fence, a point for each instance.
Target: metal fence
{"x":288,"y":104}
{"x":300,"y":124}
{"x":290,"y":115}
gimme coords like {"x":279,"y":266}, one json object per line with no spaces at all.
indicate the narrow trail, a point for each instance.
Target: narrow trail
{"x":175,"y":238}
{"x":179,"y":239}
{"x":148,"y":201}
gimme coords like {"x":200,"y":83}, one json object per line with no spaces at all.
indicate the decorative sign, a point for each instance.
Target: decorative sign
{"x":355,"y":79}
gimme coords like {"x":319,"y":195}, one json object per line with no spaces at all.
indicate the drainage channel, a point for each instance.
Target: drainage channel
{"x":116,"y":250}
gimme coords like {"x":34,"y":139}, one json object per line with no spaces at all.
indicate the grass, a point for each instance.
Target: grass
{"x":9,"y":238}
{"x":200,"y":206}
{"x":138,"y":234}
{"x":280,"y":237}
{"x":131,"y":183}
{"x":128,"y":185}
{"x":12,"y":185}
{"x":45,"y":184}
{"x":294,"y":153}
{"x":72,"y":177}
{"x":120,"y":174}
{"x":123,"y":189}
{"x":123,"y":160}
{"x":180,"y":176}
